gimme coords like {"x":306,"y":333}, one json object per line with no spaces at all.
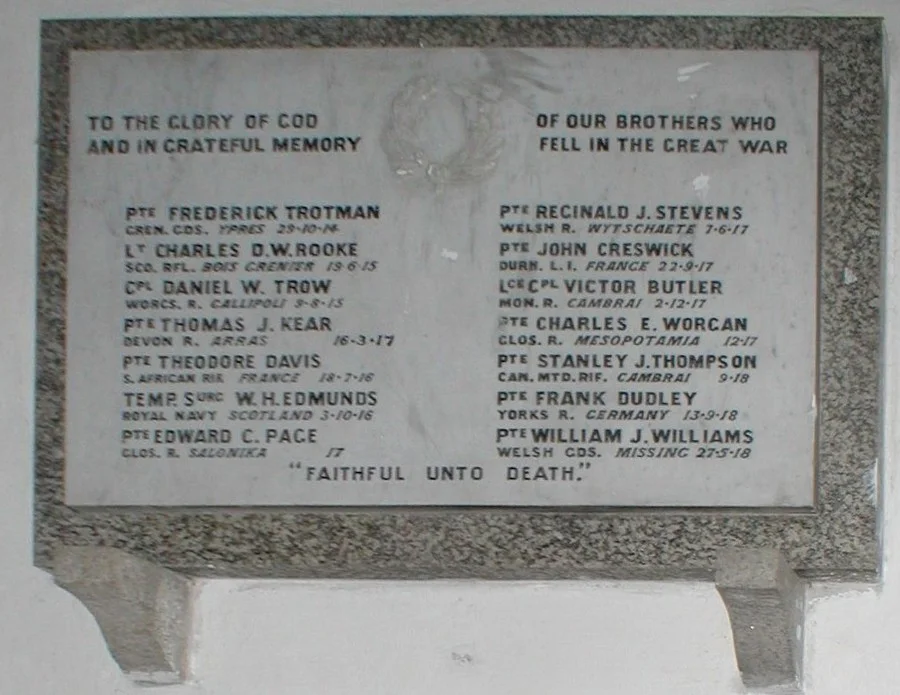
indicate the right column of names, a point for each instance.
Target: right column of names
{"x":625,"y":330}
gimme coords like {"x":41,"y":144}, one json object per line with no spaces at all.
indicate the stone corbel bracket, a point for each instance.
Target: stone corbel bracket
{"x":765,"y":602}
{"x":142,"y":609}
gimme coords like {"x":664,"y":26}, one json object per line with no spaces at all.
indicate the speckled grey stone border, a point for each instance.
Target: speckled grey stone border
{"x":837,"y":539}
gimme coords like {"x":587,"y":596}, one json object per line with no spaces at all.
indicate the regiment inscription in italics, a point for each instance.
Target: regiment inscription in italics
{"x":353,"y":277}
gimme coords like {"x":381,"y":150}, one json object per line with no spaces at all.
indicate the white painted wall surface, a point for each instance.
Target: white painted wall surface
{"x":361,"y":638}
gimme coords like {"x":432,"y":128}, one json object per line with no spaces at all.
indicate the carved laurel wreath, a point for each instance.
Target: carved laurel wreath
{"x":404,"y":144}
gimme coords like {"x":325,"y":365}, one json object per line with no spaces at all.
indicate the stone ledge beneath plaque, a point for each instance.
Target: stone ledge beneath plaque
{"x":142,"y":609}
{"x":766,"y":604}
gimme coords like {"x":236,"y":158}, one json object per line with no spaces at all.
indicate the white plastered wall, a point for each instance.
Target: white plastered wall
{"x":358,"y":638}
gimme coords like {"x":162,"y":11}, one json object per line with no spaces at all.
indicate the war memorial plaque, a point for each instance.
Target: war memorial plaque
{"x":443,"y":277}
{"x":475,"y":296}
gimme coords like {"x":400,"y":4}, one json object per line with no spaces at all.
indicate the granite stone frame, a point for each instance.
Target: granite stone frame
{"x":835,"y":539}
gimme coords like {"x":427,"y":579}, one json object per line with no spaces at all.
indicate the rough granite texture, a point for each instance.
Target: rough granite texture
{"x":838,"y":538}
